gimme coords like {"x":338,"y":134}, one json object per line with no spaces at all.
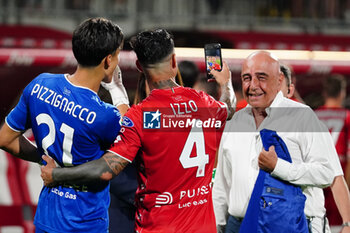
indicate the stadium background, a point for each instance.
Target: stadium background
{"x":313,"y":37}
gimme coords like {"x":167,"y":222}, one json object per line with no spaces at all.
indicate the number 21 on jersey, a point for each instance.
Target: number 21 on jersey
{"x":195,"y":138}
{"x":49,"y":139}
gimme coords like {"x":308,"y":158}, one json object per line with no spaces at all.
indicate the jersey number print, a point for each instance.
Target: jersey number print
{"x":49,"y":139}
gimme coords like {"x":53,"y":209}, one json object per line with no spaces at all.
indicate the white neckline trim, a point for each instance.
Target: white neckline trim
{"x":66,"y":77}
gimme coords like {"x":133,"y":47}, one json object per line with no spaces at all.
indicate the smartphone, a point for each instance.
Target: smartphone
{"x":213,"y":59}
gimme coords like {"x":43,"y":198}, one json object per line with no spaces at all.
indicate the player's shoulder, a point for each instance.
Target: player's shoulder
{"x":44,"y":79}
{"x":48,"y":76}
{"x":136,"y":108}
{"x":107,"y":114}
{"x":200,"y":95}
{"x":48,"y":79}
{"x":107,"y":108}
{"x":133,"y":115}
{"x":115,"y":114}
{"x":333,"y":112}
{"x":197,"y":93}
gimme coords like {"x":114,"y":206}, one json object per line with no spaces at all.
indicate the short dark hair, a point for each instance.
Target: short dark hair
{"x":287,"y":73}
{"x":333,"y":85}
{"x":152,"y":46}
{"x":211,"y":88}
{"x":94,"y":39}
{"x":189,"y":72}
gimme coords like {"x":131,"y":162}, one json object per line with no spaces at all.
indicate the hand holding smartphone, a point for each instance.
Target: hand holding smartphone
{"x":213,"y":59}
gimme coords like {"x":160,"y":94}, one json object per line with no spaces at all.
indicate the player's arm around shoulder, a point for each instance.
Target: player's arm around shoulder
{"x":103,"y":169}
{"x":223,"y":78}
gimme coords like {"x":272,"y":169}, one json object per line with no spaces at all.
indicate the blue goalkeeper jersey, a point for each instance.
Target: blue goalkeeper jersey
{"x":73,"y":126}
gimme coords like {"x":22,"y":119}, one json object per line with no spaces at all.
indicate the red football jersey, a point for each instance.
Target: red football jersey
{"x":338,"y":122}
{"x":172,"y":135}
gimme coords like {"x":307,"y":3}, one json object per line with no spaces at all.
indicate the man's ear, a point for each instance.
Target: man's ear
{"x":280,"y":79}
{"x":173,"y":61}
{"x":138,"y":66}
{"x":104,"y":63}
{"x":291,"y":91}
{"x":107,"y":61}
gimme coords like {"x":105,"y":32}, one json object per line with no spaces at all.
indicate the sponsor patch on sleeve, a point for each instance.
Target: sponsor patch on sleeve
{"x":127,"y":122}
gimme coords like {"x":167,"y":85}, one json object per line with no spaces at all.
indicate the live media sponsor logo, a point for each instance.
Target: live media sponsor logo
{"x":151,"y":120}
{"x":184,"y":116}
{"x":158,"y":120}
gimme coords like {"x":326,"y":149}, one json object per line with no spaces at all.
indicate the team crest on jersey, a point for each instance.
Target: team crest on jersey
{"x":152,"y":120}
{"x":127,"y":122}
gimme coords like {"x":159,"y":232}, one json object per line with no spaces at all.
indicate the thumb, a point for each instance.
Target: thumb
{"x":117,"y":76}
{"x":272,"y":148}
{"x":45,"y":158}
{"x":214,"y":72}
{"x":224,"y":65}
{"x":48,"y":159}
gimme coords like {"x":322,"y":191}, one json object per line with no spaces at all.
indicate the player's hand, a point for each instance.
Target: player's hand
{"x":117,"y":77}
{"x":46,"y":171}
{"x":115,"y":81}
{"x":222,"y":77}
{"x":117,"y":90}
{"x":268,"y":159}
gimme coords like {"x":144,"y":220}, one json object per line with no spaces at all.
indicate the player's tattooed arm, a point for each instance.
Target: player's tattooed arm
{"x":116,"y":165}
{"x":103,"y":169}
{"x":228,"y":96}
{"x":223,"y":78}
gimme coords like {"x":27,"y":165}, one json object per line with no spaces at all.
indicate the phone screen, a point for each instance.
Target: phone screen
{"x":213,"y":58}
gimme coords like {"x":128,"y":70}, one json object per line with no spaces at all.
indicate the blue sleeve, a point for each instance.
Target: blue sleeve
{"x":18,"y":119}
{"x":112,"y":128}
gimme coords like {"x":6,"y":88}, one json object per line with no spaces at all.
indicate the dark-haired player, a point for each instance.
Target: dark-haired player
{"x":171,"y":135}
{"x":337,"y":119}
{"x":72,"y":125}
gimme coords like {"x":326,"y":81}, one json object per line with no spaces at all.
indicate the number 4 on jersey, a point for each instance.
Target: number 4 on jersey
{"x":195,"y":138}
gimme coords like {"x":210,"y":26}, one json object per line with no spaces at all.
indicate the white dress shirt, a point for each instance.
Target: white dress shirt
{"x":315,"y":161}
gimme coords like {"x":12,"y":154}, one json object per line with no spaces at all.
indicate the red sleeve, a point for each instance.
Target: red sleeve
{"x":217,"y":108}
{"x":128,"y":142}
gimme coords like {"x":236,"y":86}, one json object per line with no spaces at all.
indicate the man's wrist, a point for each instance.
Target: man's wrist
{"x":346,"y":224}
{"x":53,"y":175}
